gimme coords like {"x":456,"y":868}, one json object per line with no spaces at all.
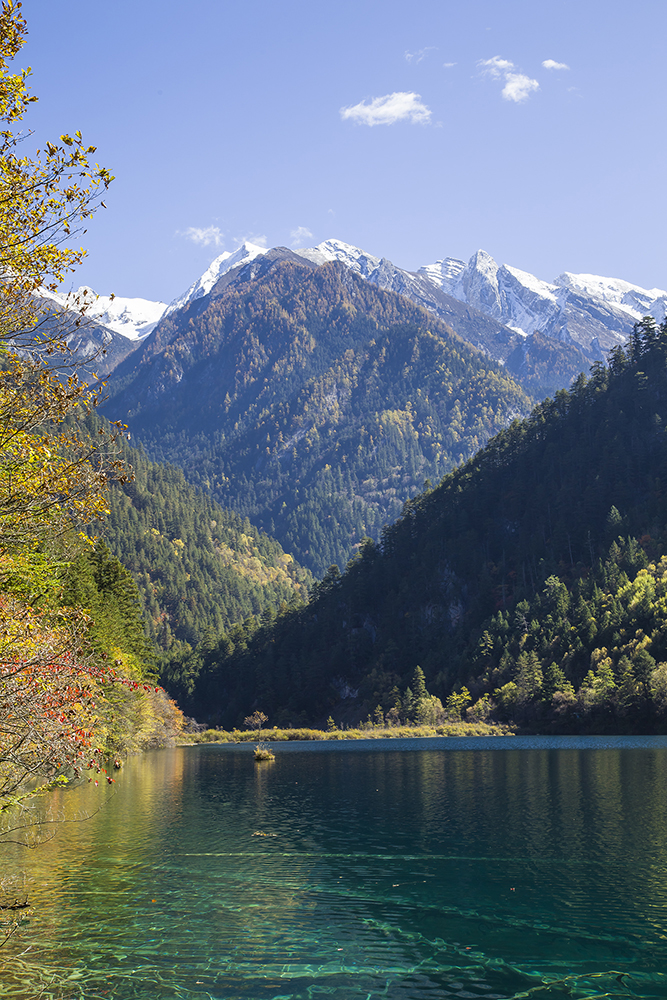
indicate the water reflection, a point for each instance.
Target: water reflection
{"x":368,"y":873}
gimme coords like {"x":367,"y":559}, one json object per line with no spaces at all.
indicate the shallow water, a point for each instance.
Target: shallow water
{"x":411,"y":870}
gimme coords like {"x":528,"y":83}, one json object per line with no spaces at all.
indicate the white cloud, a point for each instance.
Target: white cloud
{"x":389,"y":109}
{"x":496,"y":67}
{"x":448,"y":65}
{"x":518,"y":87}
{"x":552,"y":64}
{"x":209,"y":236}
{"x":420,"y":54}
{"x":300,"y":235}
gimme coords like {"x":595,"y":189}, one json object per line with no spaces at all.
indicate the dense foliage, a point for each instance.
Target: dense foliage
{"x":65,"y":677}
{"x":199,"y":569}
{"x":311,"y":402}
{"x":593,"y":653}
{"x":517,"y":585}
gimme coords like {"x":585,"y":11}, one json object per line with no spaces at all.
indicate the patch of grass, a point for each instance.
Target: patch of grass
{"x":362,"y":733}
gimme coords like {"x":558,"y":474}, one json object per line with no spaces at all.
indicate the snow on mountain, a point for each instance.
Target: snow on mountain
{"x":378,"y":271}
{"x":444,"y":273}
{"x":221,"y":265}
{"x":585,"y":309}
{"x":132,"y":318}
{"x":636,"y":301}
{"x":136,"y":318}
{"x":357,"y":260}
{"x":511,"y":296}
{"x":590,"y":312}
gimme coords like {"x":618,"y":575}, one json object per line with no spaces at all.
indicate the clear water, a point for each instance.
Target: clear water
{"x":409,"y":871}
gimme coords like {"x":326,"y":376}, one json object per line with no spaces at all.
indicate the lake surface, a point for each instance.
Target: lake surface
{"x":406,"y":871}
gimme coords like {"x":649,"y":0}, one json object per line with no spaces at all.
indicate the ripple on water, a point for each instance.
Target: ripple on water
{"x":379,"y":872}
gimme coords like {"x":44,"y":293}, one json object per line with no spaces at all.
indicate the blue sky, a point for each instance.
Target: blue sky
{"x":416,"y":131}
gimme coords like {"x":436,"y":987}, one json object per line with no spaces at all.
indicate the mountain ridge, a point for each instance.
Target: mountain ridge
{"x":310,"y":400}
{"x":589,"y":313}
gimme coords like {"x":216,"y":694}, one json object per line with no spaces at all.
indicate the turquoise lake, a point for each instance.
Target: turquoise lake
{"x":489,"y":868}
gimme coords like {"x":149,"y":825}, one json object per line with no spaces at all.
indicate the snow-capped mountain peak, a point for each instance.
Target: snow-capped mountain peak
{"x":354,"y":258}
{"x":221,"y":265}
{"x":444,"y":273}
{"x":580,"y":308}
{"x":479,"y":285}
{"x":133,"y":318}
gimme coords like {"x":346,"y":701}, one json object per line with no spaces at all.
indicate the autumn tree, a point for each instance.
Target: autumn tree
{"x":51,"y":477}
{"x":255,"y":721}
{"x":47,"y":706}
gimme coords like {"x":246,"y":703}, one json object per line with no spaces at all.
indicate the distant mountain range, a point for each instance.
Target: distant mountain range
{"x":545,"y":332}
{"x":576,"y":308}
{"x":131,"y":318}
{"x":581,"y":308}
{"x":587,"y":310}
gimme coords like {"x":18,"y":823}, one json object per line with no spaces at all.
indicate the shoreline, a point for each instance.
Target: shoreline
{"x":305,"y":734}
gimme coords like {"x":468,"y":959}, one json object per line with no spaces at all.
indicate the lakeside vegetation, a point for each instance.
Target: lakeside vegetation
{"x":77,"y":686}
{"x":363,"y":732}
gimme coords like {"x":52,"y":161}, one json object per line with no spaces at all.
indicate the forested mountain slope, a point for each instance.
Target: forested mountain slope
{"x":534,"y":575}
{"x":199,"y":568}
{"x":310,"y":401}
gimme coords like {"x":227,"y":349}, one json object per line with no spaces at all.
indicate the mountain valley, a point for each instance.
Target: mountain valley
{"x":320,"y":394}
{"x":530,"y":586}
